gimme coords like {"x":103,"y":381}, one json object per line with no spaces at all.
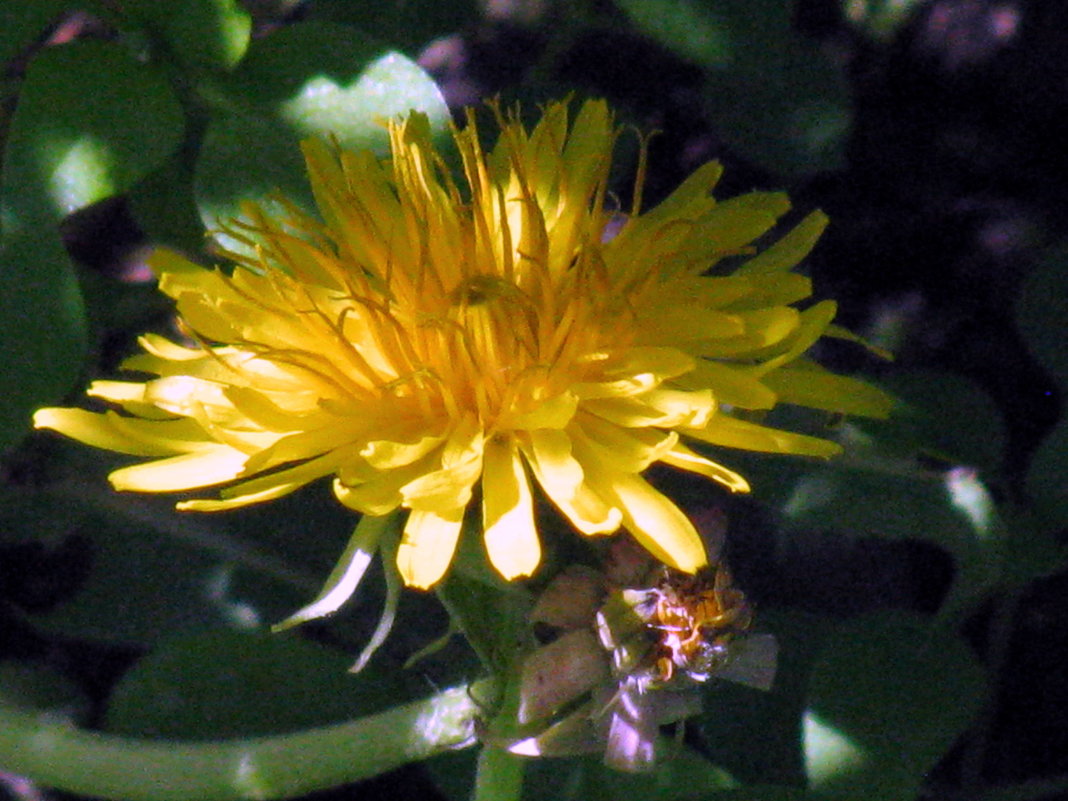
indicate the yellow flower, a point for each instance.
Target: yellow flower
{"x":426,"y":337}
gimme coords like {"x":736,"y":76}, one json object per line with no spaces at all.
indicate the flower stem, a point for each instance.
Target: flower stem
{"x":58,"y":755}
{"x":499,"y":777}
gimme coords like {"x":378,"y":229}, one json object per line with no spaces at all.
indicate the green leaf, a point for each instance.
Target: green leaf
{"x":121,"y":310}
{"x":42,"y":328}
{"x":943,"y":415}
{"x":1046,"y":475}
{"x":72,"y":144}
{"x":683,"y":774}
{"x":882,"y":506}
{"x":757,"y":792}
{"x":697,"y":30}
{"x":40,"y":688}
{"x":212,"y":34}
{"x":453,"y":774}
{"x":164,"y":207}
{"x":220,"y":683}
{"x":408,"y":25}
{"x":152,"y":570}
{"x":953,"y":511}
{"x":772,"y":95}
{"x":21,"y":24}
{"x":790,"y":115}
{"x":888,"y":697}
{"x":755,"y":734}
{"x":1042,"y":313}
{"x":1035,"y":547}
{"x":306,"y":80}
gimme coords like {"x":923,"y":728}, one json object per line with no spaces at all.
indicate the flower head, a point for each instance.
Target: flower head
{"x":424,"y":337}
{"x":626,"y":660}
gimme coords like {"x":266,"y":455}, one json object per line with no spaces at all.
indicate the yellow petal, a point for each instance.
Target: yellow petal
{"x":705,"y":291}
{"x":588,"y":148}
{"x":235,"y":436}
{"x":188,"y":471}
{"x":324,"y":174}
{"x":270,"y":450}
{"x":789,"y":250}
{"x":205,"y":366}
{"x":657,"y":523}
{"x":773,"y":289}
{"x":386,"y":454}
{"x":634,"y":371}
{"x":449,"y":487}
{"x":130,"y":395}
{"x":671,"y":322}
{"x":163,"y":348}
{"x":239,"y":501}
{"x":837,"y":332}
{"x":198,"y":292}
{"x":555,"y":412}
{"x":730,"y":385}
{"x":808,"y":384}
{"x":427,"y":546}
{"x":685,"y":459}
{"x":261,"y":410}
{"x":628,"y":449}
{"x":765,"y":329}
{"x":738,"y":221}
{"x":689,"y":200}
{"x":548,"y":453}
{"x":734,"y":433}
{"x":663,"y":408}
{"x":97,"y":430}
{"x":268,"y":487}
{"x":814,"y":321}
{"x":508,"y":512}
{"x":171,"y":266}
{"x":168,"y":436}
{"x":374,"y":492}
{"x":185,"y":395}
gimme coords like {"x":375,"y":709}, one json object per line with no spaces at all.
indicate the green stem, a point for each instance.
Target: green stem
{"x":499,"y":777}
{"x":58,"y":755}
{"x":500,"y":773}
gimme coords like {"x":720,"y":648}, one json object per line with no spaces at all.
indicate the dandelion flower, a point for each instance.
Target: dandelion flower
{"x":423,"y":337}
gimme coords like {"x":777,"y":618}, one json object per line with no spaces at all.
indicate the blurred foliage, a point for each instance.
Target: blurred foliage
{"x":772,"y":95}
{"x":585,"y":777}
{"x":210,"y":35}
{"x":880,"y":19}
{"x":187,"y":110}
{"x":310,"y":79}
{"x":219,"y":682}
{"x":921,"y":688}
{"x":1042,"y":315}
{"x":408,"y":26}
